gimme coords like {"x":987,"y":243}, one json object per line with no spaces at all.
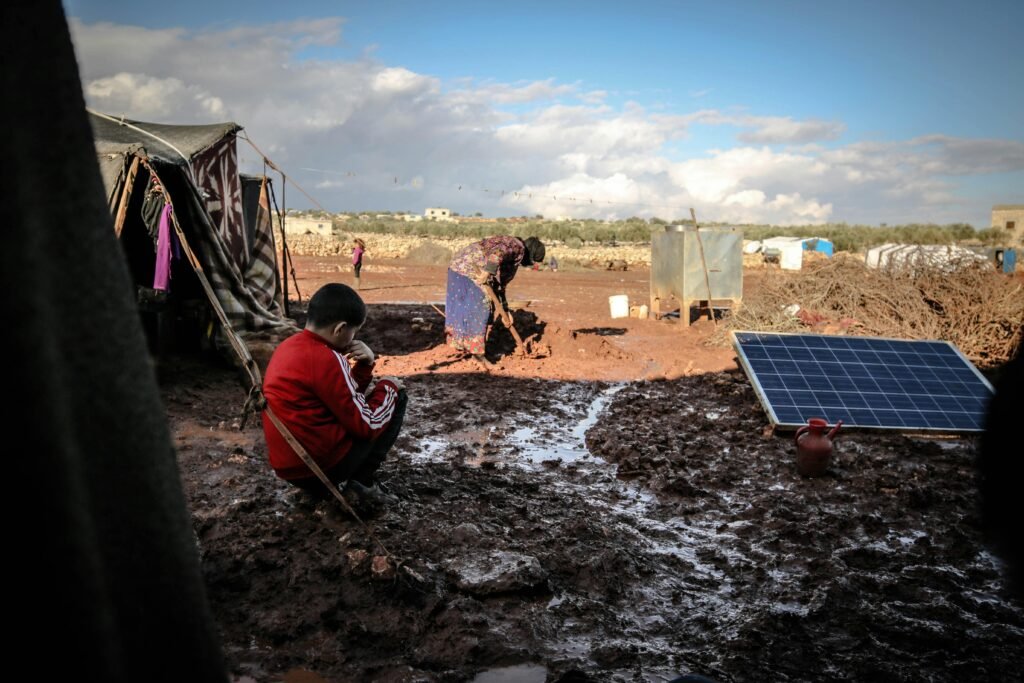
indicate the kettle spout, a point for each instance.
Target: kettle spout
{"x":832,"y":434}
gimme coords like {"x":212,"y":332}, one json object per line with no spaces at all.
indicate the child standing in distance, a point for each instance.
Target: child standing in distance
{"x":358,"y":247}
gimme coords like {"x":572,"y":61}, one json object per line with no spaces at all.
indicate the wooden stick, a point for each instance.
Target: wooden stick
{"x":311,"y":464}
{"x":506,"y":318}
{"x":122,"y":207}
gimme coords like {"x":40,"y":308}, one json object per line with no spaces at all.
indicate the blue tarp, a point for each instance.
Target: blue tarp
{"x":1009,"y":260}
{"x":818,"y":244}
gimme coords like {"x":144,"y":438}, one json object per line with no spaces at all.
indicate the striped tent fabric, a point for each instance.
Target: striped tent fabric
{"x":216,"y":174}
{"x":261,"y":274}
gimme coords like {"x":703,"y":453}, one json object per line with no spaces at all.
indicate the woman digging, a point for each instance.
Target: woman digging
{"x":477,"y":278}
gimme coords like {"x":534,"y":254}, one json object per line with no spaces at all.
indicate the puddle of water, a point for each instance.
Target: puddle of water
{"x":522,"y":673}
{"x":532,"y":444}
{"x":431,"y":448}
{"x":950,"y":444}
{"x":536,"y":447}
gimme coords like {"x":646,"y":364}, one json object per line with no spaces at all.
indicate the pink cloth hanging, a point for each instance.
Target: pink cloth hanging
{"x":165,"y":248}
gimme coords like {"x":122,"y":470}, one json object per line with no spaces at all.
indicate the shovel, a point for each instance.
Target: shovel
{"x":506,"y":317}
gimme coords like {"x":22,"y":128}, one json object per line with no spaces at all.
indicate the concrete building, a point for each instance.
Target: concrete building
{"x":294,"y":225}
{"x":1010,"y":217}
{"x":438,"y":214}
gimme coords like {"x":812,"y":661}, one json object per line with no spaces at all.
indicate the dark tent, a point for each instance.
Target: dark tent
{"x":223,"y":216}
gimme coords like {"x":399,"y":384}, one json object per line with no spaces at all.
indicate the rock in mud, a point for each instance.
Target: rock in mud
{"x":382,"y":568}
{"x":357,"y":559}
{"x":466,"y":533}
{"x":497,"y":572}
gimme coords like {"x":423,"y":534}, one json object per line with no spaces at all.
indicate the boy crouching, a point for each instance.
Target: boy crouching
{"x":319,"y":384}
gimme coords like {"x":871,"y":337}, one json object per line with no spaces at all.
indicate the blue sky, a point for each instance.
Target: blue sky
{"x":858,"y":112}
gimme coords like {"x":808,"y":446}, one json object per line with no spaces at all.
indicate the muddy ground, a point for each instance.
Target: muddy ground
{"x":585,"y":529}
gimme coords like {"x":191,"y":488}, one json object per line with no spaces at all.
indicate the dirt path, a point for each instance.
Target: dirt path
{"x":571,"y":526}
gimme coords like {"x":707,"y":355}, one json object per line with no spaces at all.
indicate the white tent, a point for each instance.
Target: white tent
{"x":900,"y":256}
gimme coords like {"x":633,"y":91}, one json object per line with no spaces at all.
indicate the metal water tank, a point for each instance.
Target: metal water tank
{"x":686,"y":262}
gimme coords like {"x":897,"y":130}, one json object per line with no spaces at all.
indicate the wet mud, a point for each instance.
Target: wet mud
{"x":572,"y":531}
{"x":875,"y":571}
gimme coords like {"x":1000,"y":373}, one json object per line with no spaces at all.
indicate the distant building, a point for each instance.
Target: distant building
{"x":438,"y":214}
{"x":1010,"y":217}
{"x":308,"y":226}
{"x":412,"y":218}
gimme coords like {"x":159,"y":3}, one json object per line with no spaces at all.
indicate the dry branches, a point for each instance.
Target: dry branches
{"x":976,"y":308}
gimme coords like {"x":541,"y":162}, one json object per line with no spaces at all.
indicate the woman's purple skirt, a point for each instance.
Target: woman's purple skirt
{"x":467,"y":312}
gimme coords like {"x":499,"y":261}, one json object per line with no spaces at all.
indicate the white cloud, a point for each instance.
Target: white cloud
{"x":401,"y":82}
{"x":386,"y":137}
{"x":775,"y":129}
{"x":772,"y":129}
{"x":959,"y":156}
{"x":150,"y":97}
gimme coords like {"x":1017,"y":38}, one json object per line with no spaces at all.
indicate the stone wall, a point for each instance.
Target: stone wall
{"x":382,"y":246}
{"x":302,"y":226}
{"x":1007,"y":213}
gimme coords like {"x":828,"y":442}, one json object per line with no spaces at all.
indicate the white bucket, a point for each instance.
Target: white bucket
{"x":619,"y":305}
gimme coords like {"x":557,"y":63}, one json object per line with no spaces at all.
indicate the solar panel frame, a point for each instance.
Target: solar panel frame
{"x":865,"y":381}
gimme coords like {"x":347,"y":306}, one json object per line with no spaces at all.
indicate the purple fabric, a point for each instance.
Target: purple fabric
{"x":500,"y":256}
{"x":357,"y":255}
{"x":166,"y":247}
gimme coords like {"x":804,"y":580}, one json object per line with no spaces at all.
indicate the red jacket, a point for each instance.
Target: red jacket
{"x":315,"y":393}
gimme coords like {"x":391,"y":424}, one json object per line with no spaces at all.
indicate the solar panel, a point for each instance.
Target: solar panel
{"x":866,"y":382}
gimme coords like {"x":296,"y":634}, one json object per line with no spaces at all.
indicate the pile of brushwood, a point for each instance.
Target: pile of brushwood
{"x":973,"y":306}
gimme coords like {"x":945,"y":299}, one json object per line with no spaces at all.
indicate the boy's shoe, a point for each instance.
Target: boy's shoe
{"x":368,"y":500}
{"x":379,"y":492}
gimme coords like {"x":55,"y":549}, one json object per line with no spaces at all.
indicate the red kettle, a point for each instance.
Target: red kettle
{"x":814,"y":447}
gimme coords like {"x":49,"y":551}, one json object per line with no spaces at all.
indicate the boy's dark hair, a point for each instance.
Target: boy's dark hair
{"x":335,"y":303}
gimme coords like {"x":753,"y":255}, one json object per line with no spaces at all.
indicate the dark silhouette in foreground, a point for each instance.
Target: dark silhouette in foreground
{"x":106,"y":576}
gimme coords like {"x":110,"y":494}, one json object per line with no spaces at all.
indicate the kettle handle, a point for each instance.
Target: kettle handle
{"x":800,"y":432}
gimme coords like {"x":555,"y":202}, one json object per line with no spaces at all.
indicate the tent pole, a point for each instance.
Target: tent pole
{"x":285,"y":252}
{"x":126,"y":191}
{"x":281,"y":264}
{"x":284,"y":209}
{"x":284,"y":217}
{"x":266,"y":190}
{"x":267,"y":160}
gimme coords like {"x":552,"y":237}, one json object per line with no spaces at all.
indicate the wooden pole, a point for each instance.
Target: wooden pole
{"x":284,"y":245}
{"x":126,"y":191}
{"x":505,"y":316}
